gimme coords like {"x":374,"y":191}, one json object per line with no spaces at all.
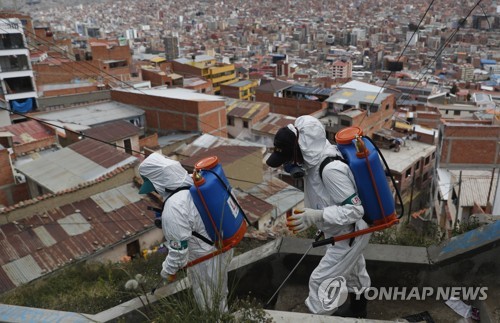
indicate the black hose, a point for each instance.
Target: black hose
{"x":228,"y":190}
{"x":390,"y":175}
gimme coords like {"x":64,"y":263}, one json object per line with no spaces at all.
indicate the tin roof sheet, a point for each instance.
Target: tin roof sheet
{"x":94,"y":114}
{"x":26,"y":132}
{"x":225,"y":154}
{"x":113,"y":131}
{"x":78,"y":163}
{"x":22,"y":270}
{"x":244,"y":109}
{"x":278,"y":193}
{"x":207,"y":141}
{"x":475,"y":186}
{"x":48,"y":240}
{"x":175,"y":93}
{"x":272,"y":123}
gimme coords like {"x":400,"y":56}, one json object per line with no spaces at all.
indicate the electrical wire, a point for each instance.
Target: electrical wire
{"x":399,"y":57}
{"x":441,"y":49}
{"x":147,"y":96}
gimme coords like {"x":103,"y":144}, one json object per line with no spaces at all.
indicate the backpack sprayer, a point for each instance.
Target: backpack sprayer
{"x":363,"y":158}
{"x":220,"y":212}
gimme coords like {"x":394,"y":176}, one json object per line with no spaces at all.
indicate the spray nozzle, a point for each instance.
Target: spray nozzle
{"x":360,"y":145}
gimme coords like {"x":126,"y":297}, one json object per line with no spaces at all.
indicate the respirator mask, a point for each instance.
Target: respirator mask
{"x":295,"y":170}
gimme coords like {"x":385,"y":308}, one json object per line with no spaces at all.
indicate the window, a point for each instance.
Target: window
{"x":433,"y":155}
{"x":408,"y":172}
{"x":245,"y":124}
{"x":134,"y":249}
{"x":427,"y":160}
{"x":456,"y":112}
{"x":128,"y":146}
{"x":417,"y":165}
{"x":230,"y":121}
{"x":345,"y":123}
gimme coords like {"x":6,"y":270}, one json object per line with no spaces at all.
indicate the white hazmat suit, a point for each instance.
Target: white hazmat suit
{"x":336,"y":195}
{"x":180,"y":218}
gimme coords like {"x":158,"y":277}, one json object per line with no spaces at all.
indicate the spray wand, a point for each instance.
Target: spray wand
{"x":317,"y":236}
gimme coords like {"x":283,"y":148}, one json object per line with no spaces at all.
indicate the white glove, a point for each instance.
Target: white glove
{"x":299,"y":222}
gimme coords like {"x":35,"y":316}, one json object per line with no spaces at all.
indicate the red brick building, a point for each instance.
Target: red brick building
{"x":292,"y":100}
{"x":178,"y":110}
{"x":469,"y":143}
{"x":107,"y":62}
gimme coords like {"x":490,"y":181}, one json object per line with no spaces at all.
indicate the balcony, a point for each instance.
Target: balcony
{"x":18,"y":85}
{"x":11,"y":41}
{"x":14,"y":63}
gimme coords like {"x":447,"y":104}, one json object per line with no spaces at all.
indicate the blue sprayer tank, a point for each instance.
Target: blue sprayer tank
{"x":371,"y":181}
{"x":219,"y":210}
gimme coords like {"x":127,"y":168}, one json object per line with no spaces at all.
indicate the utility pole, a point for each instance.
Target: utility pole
{"x":457,"y":204}
{"x":491,"y":186}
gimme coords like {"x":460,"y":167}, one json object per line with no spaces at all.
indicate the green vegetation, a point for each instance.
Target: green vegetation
{"x":406,"y":235}
{"x":94,"y":287}
{"x":85,"y":287}
{"x":471,"y":224}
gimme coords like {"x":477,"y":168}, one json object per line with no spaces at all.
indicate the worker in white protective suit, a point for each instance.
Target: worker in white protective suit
{"x":180,"y":218}
{"x":332,"y":204}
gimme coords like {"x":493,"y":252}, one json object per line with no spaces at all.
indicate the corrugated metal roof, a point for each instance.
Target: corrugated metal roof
{"x":354,"y":97}
{"x":78,"y":163}
{"x":272,"y":123}
{"x":22,"y":270}
{"x":279,"y":194}
{"x":207,"y":141}
{"x":475,"y":186}
{"x":244,"y":109}
{"x":102,"y":154}
{"x":113,"y":131}
{"x":254,"y":207}
{"x":309,"y":90}
{"x":273,"y":86}
{"x":44,"y":242}
{"x":94,"y":114}
{"x":175,"y":93}
{"x":74,"y":224}
{"x":362,"y":86}
{"x":115,"y":199}
{"x":225,"y":154}
{"x":26,"y":132}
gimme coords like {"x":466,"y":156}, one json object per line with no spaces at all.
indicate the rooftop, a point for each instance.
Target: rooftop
{"x":410,"y":151}
{"x":76,"y":164}
{"x":177,"y":93}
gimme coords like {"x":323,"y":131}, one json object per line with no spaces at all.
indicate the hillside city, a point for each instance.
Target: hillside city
{"x":89,"y":89}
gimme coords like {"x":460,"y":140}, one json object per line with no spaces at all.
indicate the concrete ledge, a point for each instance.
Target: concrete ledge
{"x":279,"y":316}
{"x":393,"y":253}
{"x":21,"y":314}
{"x":466,"y":243}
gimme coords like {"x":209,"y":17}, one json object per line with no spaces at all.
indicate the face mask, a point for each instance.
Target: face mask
{"x":295,"y":170}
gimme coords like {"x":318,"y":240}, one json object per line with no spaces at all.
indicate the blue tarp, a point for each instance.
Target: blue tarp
{"x":22,"y":106}
{"x":488,"y":61}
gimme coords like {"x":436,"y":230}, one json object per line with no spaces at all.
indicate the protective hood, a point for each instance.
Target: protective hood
{"x":165,"y":174}
{"x":312,"y":141}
